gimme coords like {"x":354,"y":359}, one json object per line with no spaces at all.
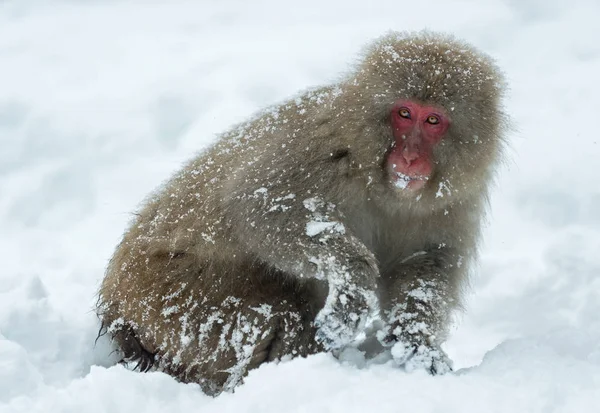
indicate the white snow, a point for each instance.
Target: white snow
{"x":403,"y":180}
{"x":100,"y":101}
{"x":316,"y":227}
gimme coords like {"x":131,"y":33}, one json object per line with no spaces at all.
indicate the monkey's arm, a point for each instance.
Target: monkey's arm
{"x":304,"y":236}
{"x":419,"y":294}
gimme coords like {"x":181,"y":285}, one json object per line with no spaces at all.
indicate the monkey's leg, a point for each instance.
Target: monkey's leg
{"x":204,"y":326}
{"x":418,"y":295}
{"x":236,"y":336}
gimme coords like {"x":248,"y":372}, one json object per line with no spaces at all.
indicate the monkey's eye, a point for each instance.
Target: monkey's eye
{"x":433,"y":120}
{"x":404,"y":113}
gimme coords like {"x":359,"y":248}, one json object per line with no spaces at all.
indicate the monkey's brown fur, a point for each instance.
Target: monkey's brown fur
{"x":231,"y":262}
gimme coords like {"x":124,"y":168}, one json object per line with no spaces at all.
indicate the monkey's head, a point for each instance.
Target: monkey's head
{"x":432,"y":123}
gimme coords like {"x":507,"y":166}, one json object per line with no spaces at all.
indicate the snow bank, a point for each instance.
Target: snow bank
{"x":100,"y":101}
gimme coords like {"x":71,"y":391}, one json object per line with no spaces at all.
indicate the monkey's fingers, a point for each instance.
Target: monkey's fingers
{"x":343,"y":317}
{"x":335,"y":331}
{"x":441,"y":365}
{"x":432,"y":359}
{"x":421,"y":357}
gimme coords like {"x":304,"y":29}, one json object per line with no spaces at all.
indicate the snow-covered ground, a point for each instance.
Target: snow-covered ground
{"x":102,"y":100}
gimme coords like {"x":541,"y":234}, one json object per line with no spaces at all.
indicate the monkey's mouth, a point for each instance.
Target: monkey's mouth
{"x":402,"y":181}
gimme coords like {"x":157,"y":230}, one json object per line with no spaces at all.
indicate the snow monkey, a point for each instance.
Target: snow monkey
{"x":355,"y":201}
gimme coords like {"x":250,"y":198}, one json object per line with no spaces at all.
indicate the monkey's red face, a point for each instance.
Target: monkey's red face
{"x":417,"y":130}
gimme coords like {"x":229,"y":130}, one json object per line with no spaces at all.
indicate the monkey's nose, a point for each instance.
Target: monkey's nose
{"x":410,"y":156}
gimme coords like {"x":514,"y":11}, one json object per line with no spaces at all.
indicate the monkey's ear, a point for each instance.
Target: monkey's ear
{"x":340,"y":154}
{"x":341,"y":158}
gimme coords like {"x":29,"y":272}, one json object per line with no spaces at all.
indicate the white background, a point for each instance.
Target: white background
{"x":100,"y":101}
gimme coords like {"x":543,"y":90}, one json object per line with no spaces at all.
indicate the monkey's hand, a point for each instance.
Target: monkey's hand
{"x":351,"y":300}
{"x":414,"y":348}
{"x":344,"y":316}
{"x":414,"y":326}
{"x":418,"y":314}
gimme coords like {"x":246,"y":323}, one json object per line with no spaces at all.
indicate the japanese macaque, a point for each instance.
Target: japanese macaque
{"x":355,"y":201}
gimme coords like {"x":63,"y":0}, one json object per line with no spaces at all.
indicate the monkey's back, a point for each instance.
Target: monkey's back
{"x":181,"y":292}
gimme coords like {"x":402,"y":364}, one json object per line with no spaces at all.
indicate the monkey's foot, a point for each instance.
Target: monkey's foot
{"x":143,"y":361}
{"x":414,"y":348}
{"x":343,"y":317}
{"x":421,"y":357}
{"x":132,"y":350}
